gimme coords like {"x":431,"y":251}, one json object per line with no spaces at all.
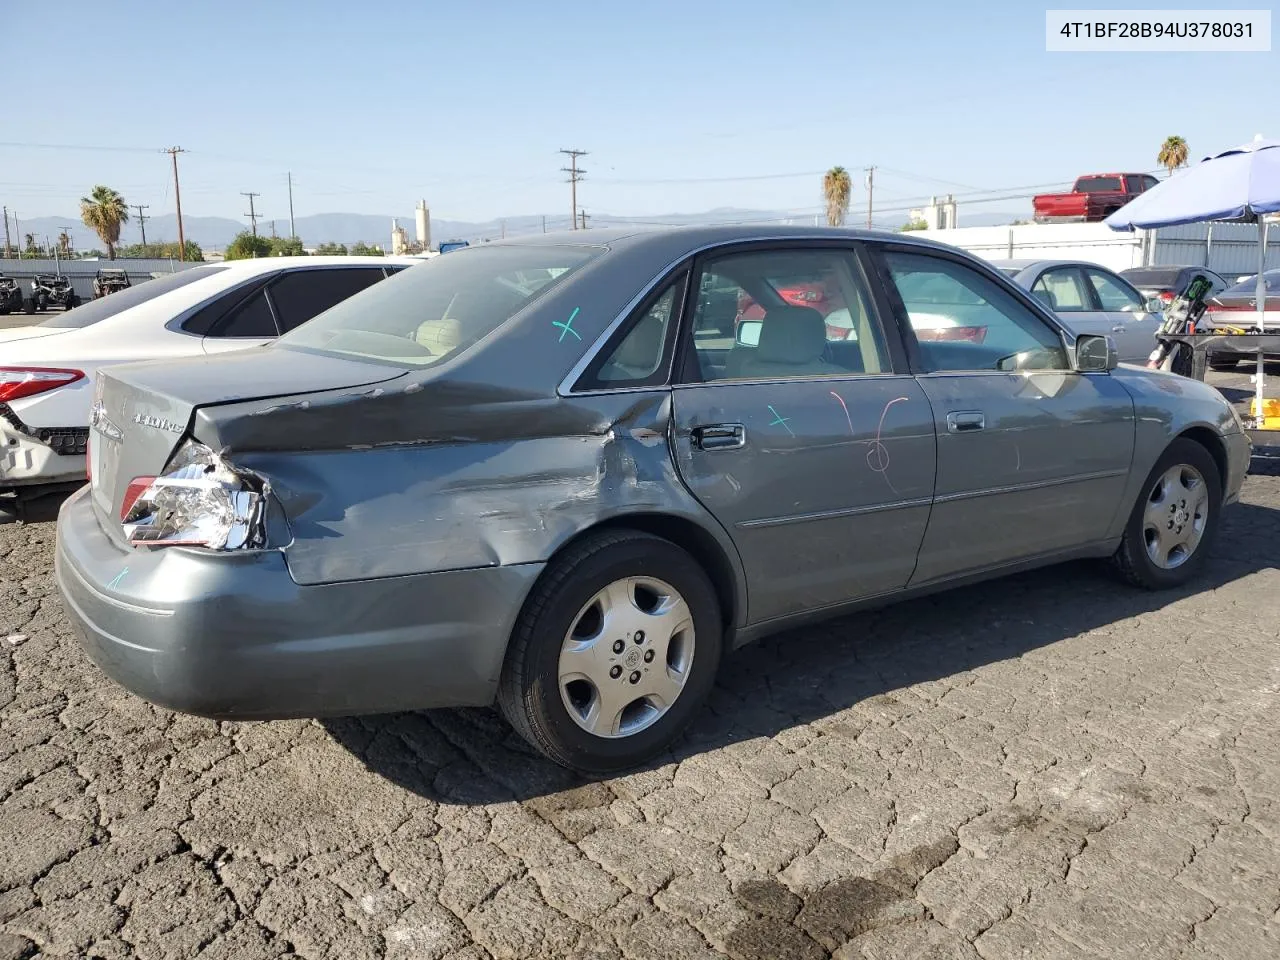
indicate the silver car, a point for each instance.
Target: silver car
{"x":542,"y":473}
{"x":1092,"y":299}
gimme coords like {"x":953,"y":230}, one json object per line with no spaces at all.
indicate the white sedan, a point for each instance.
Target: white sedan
{"x":47,"y":370}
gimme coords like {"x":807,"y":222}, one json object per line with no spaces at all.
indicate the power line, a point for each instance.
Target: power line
{"x":252,"y":214}
{"x":575,"y":174}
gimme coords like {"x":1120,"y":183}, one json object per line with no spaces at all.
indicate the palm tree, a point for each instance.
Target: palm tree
{"x":103,"y":211}
{"x":837,"y":188}
{"x":1173,"y":154}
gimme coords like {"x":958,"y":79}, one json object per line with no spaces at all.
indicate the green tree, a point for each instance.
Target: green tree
{"x":837,"y":189}
{"x":361,"y":249}
{"x":916,"y":223}
{"x":1173,"y":154}
{"x":161,"y":251}
{"x":246,"y":246}
{"x":331,"y":250}
{"x":102,"y":212}
{"x":287,"y":247}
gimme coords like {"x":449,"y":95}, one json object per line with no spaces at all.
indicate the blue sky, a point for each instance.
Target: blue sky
{"x":372,"y":106}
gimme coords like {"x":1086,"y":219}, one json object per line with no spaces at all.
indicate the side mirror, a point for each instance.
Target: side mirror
{"x":749,"y":333}
{"x":1096,"y":354}
{"x":1154,"y":305}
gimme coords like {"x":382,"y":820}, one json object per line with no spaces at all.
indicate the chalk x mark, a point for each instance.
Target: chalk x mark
{"x":119,"y":578}
{"x":779,"y":420}
{"x":567,"y":325}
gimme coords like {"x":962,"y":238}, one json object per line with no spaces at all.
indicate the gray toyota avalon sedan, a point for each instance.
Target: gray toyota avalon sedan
{"x":567,"y":474}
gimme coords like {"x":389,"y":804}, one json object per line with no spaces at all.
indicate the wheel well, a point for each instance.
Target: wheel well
{"x":690,"y":537}
{"x":1211,"y":442}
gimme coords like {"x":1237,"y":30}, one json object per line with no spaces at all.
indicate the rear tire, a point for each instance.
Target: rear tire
{"x":72,"y":302}
{"x":28,"y":306}
{"x":562,"y":680}
{"x":1174,"y":521}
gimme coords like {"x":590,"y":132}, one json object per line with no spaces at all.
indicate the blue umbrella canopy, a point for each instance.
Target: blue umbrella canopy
{"x":1239,"y":185}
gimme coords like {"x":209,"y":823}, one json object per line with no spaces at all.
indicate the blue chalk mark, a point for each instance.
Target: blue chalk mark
{"x":779,"y":420}
{"x":119,"y":578}
{"x":567,"y":326}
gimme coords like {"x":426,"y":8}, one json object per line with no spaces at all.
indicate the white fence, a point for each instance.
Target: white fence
{"x":1231,"y":249}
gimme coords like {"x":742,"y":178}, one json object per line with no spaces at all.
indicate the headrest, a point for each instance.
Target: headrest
{"x":440,"y":336}
{"x":792,"y":335}
{"x":643,"y":346}
{"x":1047,"y":298}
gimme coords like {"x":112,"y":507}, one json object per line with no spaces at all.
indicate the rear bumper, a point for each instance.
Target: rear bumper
{"x":232,"y":636}
{"x":26,"y":460}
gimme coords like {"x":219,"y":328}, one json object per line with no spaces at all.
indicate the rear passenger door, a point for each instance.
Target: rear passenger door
{"x":811,"y":445}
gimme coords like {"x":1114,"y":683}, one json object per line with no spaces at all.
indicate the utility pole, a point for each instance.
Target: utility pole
{"x":871,"y":173}
{"x":6,"y":231}
{"x":252,"y":214}
{"x":504,"y":229}
{"x":177,"y":199}
{"x":142,"y":221}
{"x":273,"y":229}
{"x":584,"y":219}
{"x":293,"y":234}
{"x":544,"y":223}
{"x":575,"y":174}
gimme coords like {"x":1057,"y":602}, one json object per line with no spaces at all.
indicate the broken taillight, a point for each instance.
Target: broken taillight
{"x":19,"y":382}
{"x":199,"y":501}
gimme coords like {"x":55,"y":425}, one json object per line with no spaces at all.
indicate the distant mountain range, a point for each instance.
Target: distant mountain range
{"x":214,"y":233}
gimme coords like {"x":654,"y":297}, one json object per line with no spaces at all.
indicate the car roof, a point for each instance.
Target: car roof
{"x":1042,"y":264}
{"x":684,"y":240}
{"x":258,"y":265}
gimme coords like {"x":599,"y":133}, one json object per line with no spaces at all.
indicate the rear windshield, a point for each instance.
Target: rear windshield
{"x":1248,"y":288}
{"x":1154,"y":276}
{"x":440,"y":306}
{"x":1097,"y":184}
{"x":90,"y":313}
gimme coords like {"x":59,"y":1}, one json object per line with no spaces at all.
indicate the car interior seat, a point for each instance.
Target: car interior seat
{"x":793,"y":341}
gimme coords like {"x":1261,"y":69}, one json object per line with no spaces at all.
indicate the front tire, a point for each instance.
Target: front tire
{"x":615,"y":650}
{"x":1171,"y":529}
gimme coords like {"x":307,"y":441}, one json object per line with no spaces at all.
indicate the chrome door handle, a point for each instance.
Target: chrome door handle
{"x":965,"y":421}
{"x":720,"y":436}
{"x":1119,"y":329}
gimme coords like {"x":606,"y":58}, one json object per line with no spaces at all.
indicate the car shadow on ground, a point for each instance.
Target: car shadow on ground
{"x":42,"y":509}
{"x":801,"y":676}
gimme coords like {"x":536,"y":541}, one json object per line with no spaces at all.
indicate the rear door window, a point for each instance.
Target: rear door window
{"x":300,"y":295}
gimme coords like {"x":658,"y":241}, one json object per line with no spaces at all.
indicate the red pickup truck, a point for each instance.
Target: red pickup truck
{"x":1094,"y":197}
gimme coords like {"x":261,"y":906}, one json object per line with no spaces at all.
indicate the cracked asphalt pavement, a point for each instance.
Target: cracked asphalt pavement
{"x":1050,"y":766}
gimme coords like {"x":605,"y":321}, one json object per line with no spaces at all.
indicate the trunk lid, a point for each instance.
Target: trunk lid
{"x":14,"y":334}
{"x":142,"y":411}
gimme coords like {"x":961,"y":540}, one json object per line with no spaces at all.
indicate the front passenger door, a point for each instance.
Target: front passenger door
{"x":1033,"y":457}
{"x":1135,"y":329}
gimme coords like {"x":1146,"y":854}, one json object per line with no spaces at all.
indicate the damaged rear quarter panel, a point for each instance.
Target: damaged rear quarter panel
{"x":506,"y":480}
